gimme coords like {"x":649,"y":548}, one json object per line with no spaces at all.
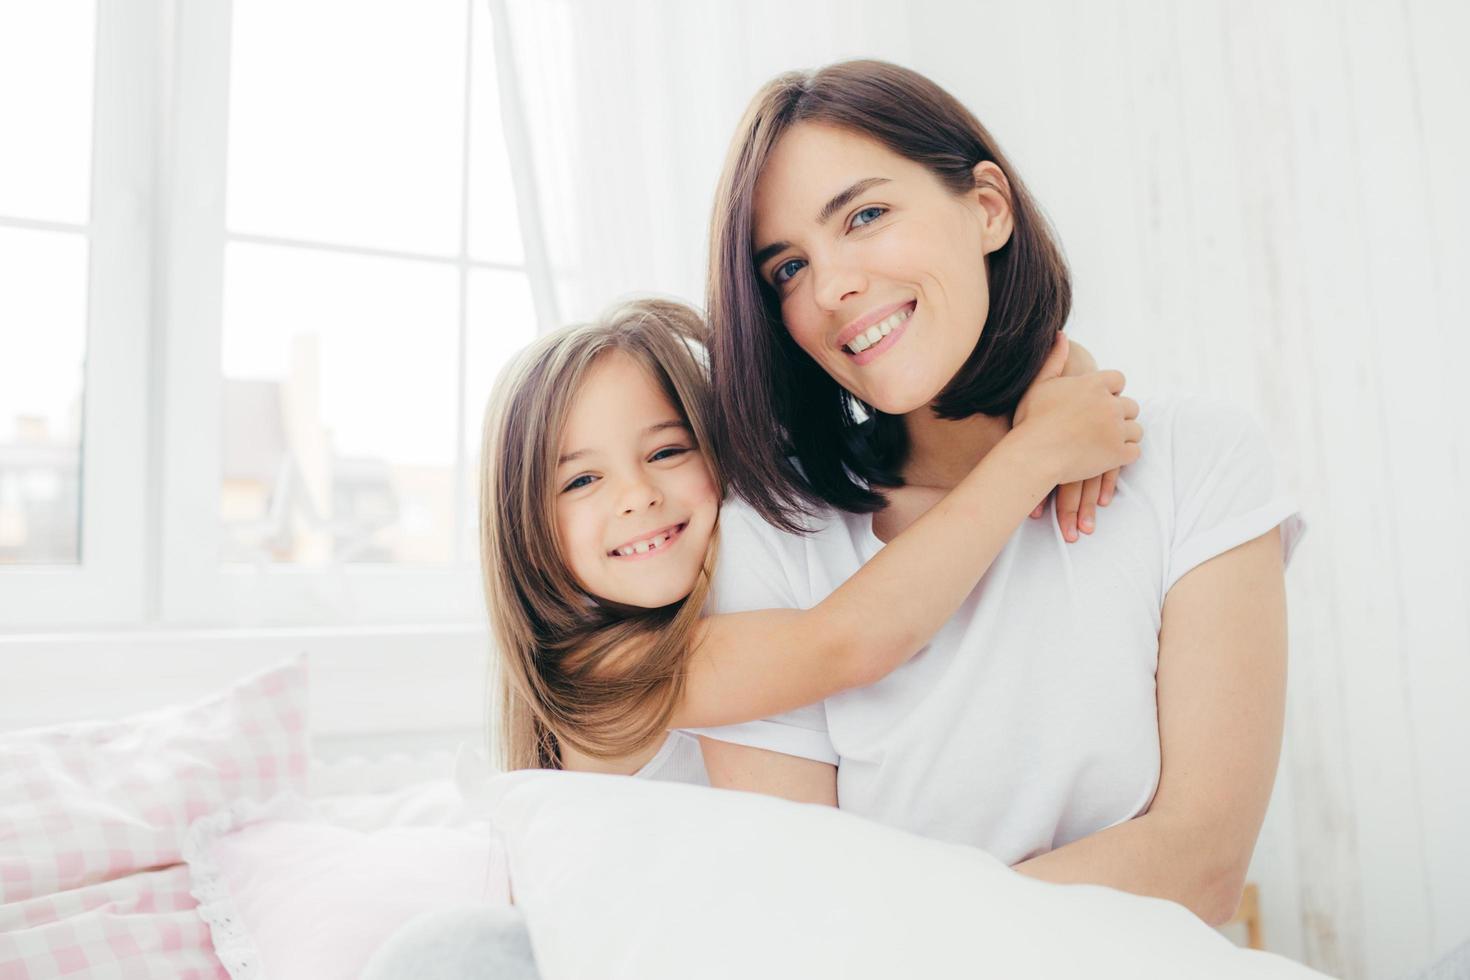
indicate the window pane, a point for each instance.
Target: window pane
{"x":46,"y":52}
{"x":495,"y":232}
{"x":502,"y":320}
{"x":339,"y":407}
{"x":347,"y":122}
{"x":43,"y":340}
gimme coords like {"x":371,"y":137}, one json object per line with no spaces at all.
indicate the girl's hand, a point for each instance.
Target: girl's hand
{"x":1077,"y":502}
{"x":1078,"y":498}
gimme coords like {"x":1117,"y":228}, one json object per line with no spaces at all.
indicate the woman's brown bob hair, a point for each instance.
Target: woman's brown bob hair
{"x":570,"y":669}
{"x":823,"y":453}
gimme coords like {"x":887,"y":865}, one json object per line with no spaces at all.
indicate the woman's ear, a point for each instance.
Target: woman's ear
{"x":993,"y":193}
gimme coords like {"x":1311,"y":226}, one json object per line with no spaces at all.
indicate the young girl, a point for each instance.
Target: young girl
{"x":599,"y":508}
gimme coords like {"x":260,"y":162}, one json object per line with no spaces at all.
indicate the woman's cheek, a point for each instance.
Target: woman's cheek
{"x":804,"y":328}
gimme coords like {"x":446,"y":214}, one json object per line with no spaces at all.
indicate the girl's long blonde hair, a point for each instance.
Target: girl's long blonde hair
{"x":571,"y":669}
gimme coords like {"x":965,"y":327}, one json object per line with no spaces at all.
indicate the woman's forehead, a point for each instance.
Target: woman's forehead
{"x":809,"y":166}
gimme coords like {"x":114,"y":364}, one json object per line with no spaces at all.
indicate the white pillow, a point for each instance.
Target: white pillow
{"x":632,"y":878}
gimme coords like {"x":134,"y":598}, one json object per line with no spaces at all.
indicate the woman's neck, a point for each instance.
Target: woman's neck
{"x":943,"y":451}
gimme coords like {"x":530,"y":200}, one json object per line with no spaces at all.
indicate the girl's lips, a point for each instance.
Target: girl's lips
{"x":675,"y":534}
{"x":878,"y":349}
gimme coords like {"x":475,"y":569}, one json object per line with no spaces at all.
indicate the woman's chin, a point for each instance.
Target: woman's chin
{"x":902,"y":402}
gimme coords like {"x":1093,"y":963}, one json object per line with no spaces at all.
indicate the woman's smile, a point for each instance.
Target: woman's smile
{"x":877,"y":339}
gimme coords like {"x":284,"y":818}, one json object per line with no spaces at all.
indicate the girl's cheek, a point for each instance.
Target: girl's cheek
{"x":576,"y":542}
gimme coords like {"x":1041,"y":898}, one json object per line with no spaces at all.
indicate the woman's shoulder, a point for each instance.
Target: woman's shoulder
{"x":1185,"y":431}
{"x":1191,"y":441}
{"x":1202,"y":451}
{"x":760,"y":565}
{"x":1192,"y":414}
{"x":738,"y":516}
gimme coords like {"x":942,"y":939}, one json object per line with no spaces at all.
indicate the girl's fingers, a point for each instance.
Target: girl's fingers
{"x":1038,"y":510}
{"x":1132,"y":432}
{"x":1068,"y":499}
{"x":1114,"y":381}
{"x":1087,"y":512}
{"x":1109,"y":487}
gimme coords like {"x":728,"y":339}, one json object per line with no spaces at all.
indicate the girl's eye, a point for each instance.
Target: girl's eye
{"x":668,"y":452}
{"x":786,"y":270}
{"x":578,"y":483}
{"x":876,"y":212}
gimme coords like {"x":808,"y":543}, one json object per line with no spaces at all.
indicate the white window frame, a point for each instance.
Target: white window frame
{"x":150,"y":524}
{"x":109,"y":583}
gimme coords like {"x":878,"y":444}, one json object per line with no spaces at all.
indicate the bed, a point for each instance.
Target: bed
{"x":205,"y":841}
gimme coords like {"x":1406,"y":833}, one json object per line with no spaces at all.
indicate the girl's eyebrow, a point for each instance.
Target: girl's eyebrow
{"x":655,"y":427}
{"x":666,"y":424}
{"x":838,"y":202}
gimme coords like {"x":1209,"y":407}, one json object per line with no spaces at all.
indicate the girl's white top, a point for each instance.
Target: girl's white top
{"x":1030,"y":720}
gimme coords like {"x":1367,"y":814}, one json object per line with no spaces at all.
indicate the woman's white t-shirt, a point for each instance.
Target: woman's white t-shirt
{"x":1030,"y":720}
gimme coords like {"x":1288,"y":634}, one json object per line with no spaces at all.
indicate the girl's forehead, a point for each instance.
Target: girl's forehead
{"x":618,"y":393}
{"x":619,"y":375}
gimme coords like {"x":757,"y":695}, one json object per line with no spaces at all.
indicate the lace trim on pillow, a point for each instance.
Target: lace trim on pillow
{"x":232,"y":943}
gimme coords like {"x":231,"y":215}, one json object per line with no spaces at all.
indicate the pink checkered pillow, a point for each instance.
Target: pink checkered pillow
{"x":142,"y":926}
{"x":91,"y":801}
{"x":290,"y":896}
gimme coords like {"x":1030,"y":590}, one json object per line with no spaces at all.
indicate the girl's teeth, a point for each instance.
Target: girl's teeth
{"x":643,"y":547}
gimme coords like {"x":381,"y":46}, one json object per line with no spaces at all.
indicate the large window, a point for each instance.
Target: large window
{"x":45,"y":207}
{"x":372,"y":240}
{"x":328,"y":270}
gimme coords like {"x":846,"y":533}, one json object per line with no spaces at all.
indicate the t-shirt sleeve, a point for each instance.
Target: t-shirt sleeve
{"x":1227,"y":487}
{"x":756,"y":568}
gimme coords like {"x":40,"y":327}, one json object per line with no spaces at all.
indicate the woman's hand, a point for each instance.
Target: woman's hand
{"x":1077,"y":502}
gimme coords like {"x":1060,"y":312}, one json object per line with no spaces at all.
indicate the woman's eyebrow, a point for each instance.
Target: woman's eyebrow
{"x":839,"y":200}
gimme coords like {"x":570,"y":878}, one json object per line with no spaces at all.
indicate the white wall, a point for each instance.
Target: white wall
{"x":1262,"y":201}
{"x":1267,"y":202}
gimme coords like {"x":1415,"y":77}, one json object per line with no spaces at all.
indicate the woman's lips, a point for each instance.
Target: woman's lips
{"x":882,"y":346}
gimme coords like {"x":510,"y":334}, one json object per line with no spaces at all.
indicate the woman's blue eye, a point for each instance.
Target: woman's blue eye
{"x":875,"y":211}
{"x":782,"y":274}
{"x":578,"y":483}
{"x":663,"y":453}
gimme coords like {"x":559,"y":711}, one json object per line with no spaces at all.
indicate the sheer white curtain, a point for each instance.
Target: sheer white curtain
{"x":1259,"y":202}
{"x":627,"y":108}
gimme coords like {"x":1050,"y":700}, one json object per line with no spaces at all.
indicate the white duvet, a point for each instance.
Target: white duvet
{"x":640,"y":880}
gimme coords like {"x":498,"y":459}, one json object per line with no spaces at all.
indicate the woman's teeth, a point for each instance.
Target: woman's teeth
{"x":878,"y":331}
{"x":643,"y":547}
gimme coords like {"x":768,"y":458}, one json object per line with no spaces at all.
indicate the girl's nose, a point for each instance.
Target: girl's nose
{"x":640,"y":495}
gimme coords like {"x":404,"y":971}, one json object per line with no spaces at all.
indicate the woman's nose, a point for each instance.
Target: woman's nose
{"x":836,"y":282}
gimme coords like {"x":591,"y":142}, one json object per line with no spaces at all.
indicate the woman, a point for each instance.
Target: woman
{"x":1108,"y":711}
